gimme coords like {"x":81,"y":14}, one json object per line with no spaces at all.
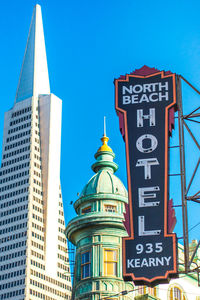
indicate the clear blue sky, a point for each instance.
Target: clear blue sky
{"x":89,"y":43}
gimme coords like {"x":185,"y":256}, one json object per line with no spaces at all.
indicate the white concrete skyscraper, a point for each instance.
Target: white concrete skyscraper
{"x":33,"y":249}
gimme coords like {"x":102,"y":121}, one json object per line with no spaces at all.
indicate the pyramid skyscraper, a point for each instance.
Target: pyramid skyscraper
{"x":33,"y":249}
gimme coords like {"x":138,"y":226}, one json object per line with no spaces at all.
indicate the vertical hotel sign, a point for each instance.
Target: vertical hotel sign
{"x":144,"y":101}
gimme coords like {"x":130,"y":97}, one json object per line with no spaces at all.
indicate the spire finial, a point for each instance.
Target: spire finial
{"x":104,"y":134}
{"x":104,"y":140}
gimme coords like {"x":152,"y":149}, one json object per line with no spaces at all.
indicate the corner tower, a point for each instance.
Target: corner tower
{"x":97,"y":232}
{"x":33,"y":261}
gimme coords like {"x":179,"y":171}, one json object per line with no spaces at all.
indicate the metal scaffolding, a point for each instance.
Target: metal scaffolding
{"x":184,"y":121}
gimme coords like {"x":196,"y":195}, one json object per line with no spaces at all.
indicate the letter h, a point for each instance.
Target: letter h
{"x":141,"y":117}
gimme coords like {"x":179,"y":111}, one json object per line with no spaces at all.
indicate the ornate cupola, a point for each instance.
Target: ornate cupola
{"x":97,"y":231}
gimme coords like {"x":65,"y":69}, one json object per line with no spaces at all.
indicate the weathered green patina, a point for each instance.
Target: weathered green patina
{"x":99,"y":228}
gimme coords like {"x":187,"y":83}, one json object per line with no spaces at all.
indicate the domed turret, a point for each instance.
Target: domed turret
{"x":98,"y":229}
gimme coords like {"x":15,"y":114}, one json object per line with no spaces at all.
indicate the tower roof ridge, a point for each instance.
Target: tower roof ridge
{"x":34,"y":77}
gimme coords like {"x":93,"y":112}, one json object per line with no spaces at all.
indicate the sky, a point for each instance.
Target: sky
{"x":88,"y":44}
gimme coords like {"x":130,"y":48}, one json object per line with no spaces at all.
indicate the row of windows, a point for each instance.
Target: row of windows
{"x":36,"y":254}
{"x":63,"y":267}
{"x":11,"y":284}
{"x":21,"y":111}
{"x":110,"y":258}
{"x":37,"y":149}
{"x":37,"y":264}
{"x":13,"y":237}
{"x":35,"y":207}
{"x":48,"y":279}
{"x":61,"y":221}
{"x":14,"y":210}
{"x":19,"y":120}
{"x":37,"y":157}
{"x":25,"y":125}
{"x":37,"y":245}
{"x":37,"y":191}
{"x":13,"y":219}
{"x":37,"y":182}
{"x":37,"y":165}
{"x":13,"y":265}
{"x":17,"y":144}
{"x":64,"y":249}
{"x":13,"y":246}
{"x":11,"y":194}
{"x":13,"y":169}
{"x":47,"y":288}
{"x":37,"y":236}
{"x":61,"y":275}
{"x":38,"y":227}
{"x":12,"y":274}
{"x":38,"y":200}
{"x":9,"y":154}
{"x":13,"y":228}
{"x":36,"y":217}
{"x":12,"y":255}
{"x":61,"y":239}
{"x":38,"y":174}
{"x":14,"y":201}
{"x":107,"y":208}
{"x":64,"y":258}
{"x":15,"y":176}
{"x":12,"y":294}
{"x":15,"y":160}
{"x":18,"y":136}
{"x":61,"y":230}
{"x":13,"y":185}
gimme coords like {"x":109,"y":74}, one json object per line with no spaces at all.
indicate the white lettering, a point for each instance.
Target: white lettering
{"x":165,"y":96}
{"x":153,"y":99}
{"x":137,"y":88}
{"x":144,"y":263}
{"x":130,"y":263}
{"x":134,"y":99}
{"x":147,"y":163}
{"x":125,"y":89}
{"x":141,"y":228}
{"x":153,"y":146}
{"x":159,"y":261}
{"x":147,"y":87}
{"x":126,"y":99}
{"x":141,"y":117}
{"x":167,"y":259}
{"x":165,"y":86}
{"x":151,"y":261}
{"x":144,"y":98}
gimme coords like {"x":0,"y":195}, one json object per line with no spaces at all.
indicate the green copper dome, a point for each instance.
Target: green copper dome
{"x":104,"y":181}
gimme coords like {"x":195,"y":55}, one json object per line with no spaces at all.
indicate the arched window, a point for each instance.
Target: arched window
{"x":176,"y":293}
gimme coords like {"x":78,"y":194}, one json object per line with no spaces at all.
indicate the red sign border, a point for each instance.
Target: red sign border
{"x":131,"y":237}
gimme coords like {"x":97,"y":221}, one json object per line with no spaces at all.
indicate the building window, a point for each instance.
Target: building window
{"x":142,"y":290}
{"x":176,"y":293}
{"x":86,"y":210}
{"x":110,"y":208}
{"x":85,"y":264}
{"x":153,"y":291}
{"x":110,"y":262}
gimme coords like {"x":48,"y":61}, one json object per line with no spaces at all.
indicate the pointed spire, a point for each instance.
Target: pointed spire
{"x":104,"y":140}
{"x":34,"y":78}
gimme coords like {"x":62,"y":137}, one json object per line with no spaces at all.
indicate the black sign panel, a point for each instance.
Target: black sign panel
{"x":149,"y":253}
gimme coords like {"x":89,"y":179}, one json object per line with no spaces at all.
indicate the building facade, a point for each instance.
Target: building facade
{"x":33,"y":247}
{"x":97,"y":233}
